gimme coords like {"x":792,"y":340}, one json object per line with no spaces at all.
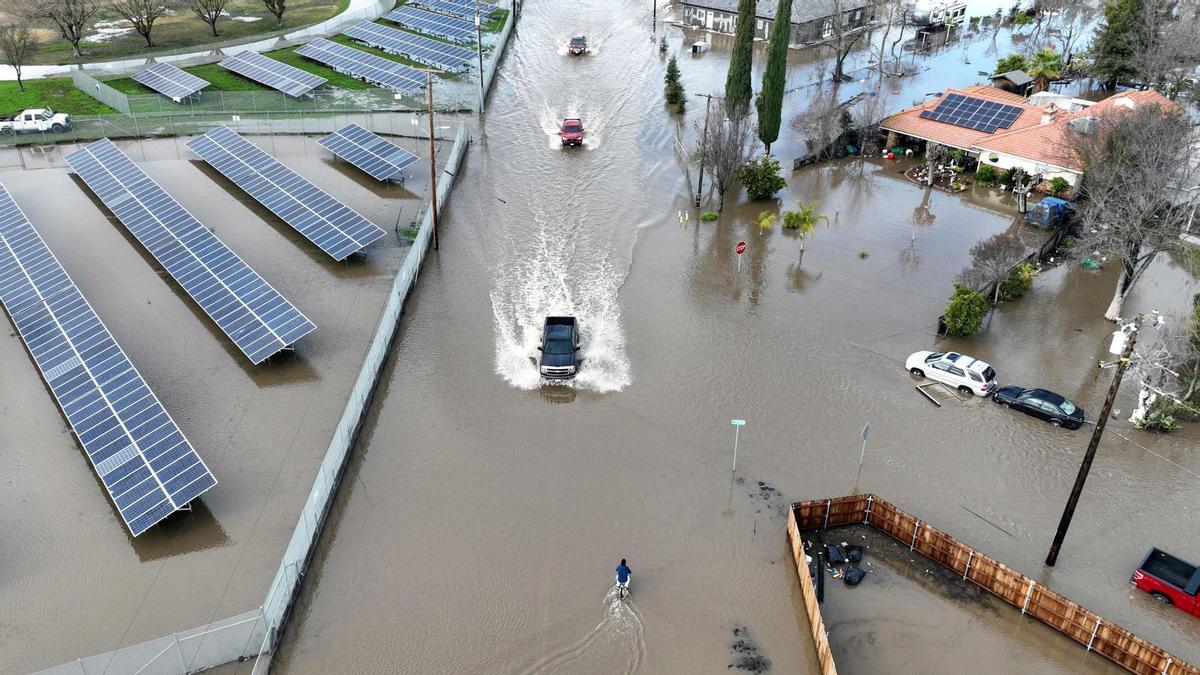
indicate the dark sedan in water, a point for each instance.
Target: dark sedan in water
{"x":1040,"y":403}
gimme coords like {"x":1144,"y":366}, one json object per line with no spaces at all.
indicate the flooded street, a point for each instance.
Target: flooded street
{"x":483,"y":512}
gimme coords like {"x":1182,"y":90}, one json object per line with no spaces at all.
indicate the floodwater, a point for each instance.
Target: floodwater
{"x":74,"y":583}
{"x":483,"y":511}
{"x":909,"y":615}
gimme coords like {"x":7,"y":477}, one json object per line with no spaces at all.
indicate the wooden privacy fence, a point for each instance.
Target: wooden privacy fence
{"x":1085,"y":627}
{"x":815,"y":622}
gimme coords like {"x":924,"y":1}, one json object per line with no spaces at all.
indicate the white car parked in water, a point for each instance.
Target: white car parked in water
{"x":967,"y":375}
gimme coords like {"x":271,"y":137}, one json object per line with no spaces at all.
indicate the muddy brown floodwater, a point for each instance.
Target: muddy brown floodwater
{"x":483,"y":512}
{"x":74,"y":583}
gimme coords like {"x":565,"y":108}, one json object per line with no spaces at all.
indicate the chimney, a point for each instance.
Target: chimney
{"x":1048,"y":114}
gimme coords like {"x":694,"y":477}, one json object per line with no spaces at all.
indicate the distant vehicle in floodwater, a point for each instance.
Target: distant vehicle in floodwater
{"x":559,"y":348}
{"x":571,"y":133}
{"x":577,"y":45}
{"x":1170,"y":580}
{"x":1050,"y":213}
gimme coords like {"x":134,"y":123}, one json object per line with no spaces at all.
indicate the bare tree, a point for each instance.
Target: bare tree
{"x":209,"y":11}
{"x":17,"y":44}
{"x":71,"y":17}
{"x":820,"y":125}
{"x":276,"y":7}
{"x":1170,"y":57}
{"x":841,"y":37}
{"x":1132,"y":162}
{"x":142,"y":14}
{"x":893,"y":14}
{"x":725,"y":145}
{"x":992,"y":260}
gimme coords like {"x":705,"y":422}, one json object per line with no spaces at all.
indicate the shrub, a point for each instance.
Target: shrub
{"x":862,"y":255}
{"x":1058,"y":185}
{"x":1022,"y":19}
{"x":1018,"y":282}
{"x":1010,"y":63}
{"x":709,"y":216}
{"x":1184,"y":412}
{"x":1009,"y":177}
{"x":761,"y":178}
{"x":986,"y":175}
{"x":964,"y":314}
{"x":1156,"y":421}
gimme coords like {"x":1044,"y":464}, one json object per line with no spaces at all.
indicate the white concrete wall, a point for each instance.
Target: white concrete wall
{"x":1004,"y":162}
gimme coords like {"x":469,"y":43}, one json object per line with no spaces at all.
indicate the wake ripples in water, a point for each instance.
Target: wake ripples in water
{"x":616,"y":645}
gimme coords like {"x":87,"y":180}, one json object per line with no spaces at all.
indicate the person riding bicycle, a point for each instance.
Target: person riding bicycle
{"x":623,"y":576}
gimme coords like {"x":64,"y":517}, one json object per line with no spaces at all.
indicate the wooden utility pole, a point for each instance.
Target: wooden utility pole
{"x":1086,"y":465}
{"x":703,"y":144}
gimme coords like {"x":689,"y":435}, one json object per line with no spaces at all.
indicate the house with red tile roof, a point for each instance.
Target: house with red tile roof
{"x":1036,"y":139}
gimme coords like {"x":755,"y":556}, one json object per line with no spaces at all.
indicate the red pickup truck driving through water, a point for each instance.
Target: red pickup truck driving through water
{"x":1170,"y":580}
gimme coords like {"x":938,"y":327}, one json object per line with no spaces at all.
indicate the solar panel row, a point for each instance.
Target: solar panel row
{"x":973,"y":113}
{"x":170,"y":81}
{"x":368,"y":67}
{"x":275,"y":74}
{"x":331,"y":225}
{"x":148,"y":467}
{"x":374,"y":155}
{"x":430,"y":23}
{"x":252,"y":313}
{"x":420,"y":49}
{"x":462,"y":8}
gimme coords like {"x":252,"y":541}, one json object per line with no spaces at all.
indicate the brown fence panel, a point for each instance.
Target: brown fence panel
{"x":1060,"y":613}
{"x":815,"y":621}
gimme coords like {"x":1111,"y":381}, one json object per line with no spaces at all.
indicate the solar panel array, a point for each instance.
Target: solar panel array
{"x":147,"y":466}
{"x":274,"y":74}
{"x":420,"y":49}
{"x":170,"y":81}
{"x":463,"y":8}
{"x":429,"y":23}
{"x":252,"y":313}
{"x":331,"y":225}
{"x":378,"y":157}
{"x":368,"y":67}
{"x":973,"y":113}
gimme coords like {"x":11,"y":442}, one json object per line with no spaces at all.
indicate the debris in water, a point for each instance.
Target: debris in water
{"x":746,"y":654}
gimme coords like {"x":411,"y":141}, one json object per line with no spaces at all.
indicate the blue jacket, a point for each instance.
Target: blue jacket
{"x":623,"y":573}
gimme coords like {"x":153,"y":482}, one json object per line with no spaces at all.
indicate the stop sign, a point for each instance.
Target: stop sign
{"x":740,"y":248}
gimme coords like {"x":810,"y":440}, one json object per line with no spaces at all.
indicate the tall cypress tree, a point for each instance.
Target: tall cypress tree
{"x":737,"y":82}
{"x":770,"y":99}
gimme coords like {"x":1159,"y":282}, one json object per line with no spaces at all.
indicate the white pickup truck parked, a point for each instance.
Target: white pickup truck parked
{"x":35,"y":119}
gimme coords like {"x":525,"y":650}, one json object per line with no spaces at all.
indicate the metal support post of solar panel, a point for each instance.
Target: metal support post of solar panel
{"x":367,"y":67}
{"x":250,"y":311}
{"x":378,"y":157}
{"x":420,"y":49}
{"x":170,"y":81}
{"x":274,"y":74}
{"x":430,"y":23}
{"x":334,"y":227}
{"x":148,"y":467}
{"x":460,"y":8}
{"x":969,"y":112}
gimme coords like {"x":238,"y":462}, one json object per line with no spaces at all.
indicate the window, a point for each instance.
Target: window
{"x":827,"y":29}
{"x":955,"y":370}
{"x":975,"y":376}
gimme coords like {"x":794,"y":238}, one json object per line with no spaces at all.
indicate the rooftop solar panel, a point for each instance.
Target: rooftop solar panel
{"x":420,"y":49}
{"x":461,"y":8}
{"x":326,"y":222}
{"x":275,"y":74}
{"x":170,"y":81}
{"x":969,"y":112}
{"x":378,"y":157}
{"x":252,"y":313}
{"x":368,"y":67}
{"x":431,"y":23}
{"x":148,"y":467}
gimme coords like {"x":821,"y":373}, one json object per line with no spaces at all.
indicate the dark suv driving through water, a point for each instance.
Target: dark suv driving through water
{"x":559,"y":348}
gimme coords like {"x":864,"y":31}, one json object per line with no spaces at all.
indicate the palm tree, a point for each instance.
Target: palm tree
{"x":765,"y":220}
{"x":1046,"y":65}
{"x":804,"y":220}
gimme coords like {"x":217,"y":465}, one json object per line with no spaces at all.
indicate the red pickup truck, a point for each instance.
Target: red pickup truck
{"x":1170,"y":580}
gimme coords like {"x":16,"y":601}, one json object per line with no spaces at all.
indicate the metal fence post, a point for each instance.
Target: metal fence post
{"x":1094,"y":631}
{"x":828,"y":503}
{"x":967,"y":569}
{"x":867,"y":514}
{"x":1028,"y":595}
{"x":179,"y":651}
{"x":916,"y":526}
